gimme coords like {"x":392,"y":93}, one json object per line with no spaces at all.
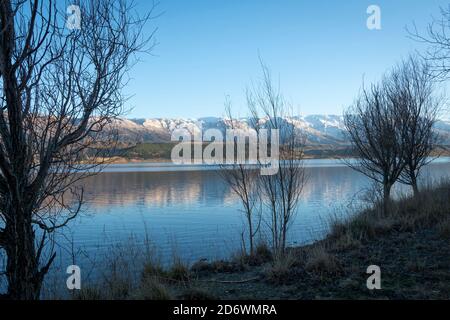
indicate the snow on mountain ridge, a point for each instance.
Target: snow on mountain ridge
{"x":319,"y":129}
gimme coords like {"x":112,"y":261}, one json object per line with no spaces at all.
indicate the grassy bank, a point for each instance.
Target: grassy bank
{"x":410,"y":243}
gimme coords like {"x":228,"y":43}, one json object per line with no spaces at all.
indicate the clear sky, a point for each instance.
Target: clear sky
{"x":319,"y":51}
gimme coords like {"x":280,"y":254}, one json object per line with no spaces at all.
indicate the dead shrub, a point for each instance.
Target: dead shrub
{"x":179,"y":271}
{"x":321,"y":261}
{"x":282,"y":269}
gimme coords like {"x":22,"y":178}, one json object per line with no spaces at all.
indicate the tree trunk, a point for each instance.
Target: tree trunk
{"x":414,"y":184}
{"x":22,"y":269}
{"x":386,"y":197}
{"x":274,"y":230}
{"x":250,"y":231}
{"x":283,"y":241}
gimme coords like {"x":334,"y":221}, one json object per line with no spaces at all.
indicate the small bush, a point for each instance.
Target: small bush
{"x":320,"y":261}
{"x":282,"y":268}
{"x":240,"y":260}
{"x":179,"y":271}
{"x":201,"y":266}
{"x":152,"y":269}
{"x":263,"y":253}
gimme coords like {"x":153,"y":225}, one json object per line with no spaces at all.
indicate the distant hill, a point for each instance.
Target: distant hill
{"x":320,"y":130}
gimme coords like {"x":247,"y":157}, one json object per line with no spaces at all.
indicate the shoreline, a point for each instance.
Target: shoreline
{"x":164,"y":165}
{"x":155,"y":161}
{"x":409,"y":244}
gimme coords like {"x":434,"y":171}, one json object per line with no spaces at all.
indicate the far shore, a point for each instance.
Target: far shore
{"x":122,"y":160}
{"x":161,"y":153}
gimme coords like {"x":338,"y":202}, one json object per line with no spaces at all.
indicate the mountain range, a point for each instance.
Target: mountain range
{"x":319,"y":129}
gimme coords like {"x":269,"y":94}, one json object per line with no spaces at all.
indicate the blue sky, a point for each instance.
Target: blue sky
{"x":318,"y":50}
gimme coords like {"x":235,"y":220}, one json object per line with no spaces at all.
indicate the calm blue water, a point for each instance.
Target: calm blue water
{"x":191,"y":211}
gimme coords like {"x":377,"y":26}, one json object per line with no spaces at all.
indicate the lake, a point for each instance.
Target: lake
{"x":189,"y":210}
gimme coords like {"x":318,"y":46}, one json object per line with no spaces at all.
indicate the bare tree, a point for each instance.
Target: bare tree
{"x":437,"y":39}
{"x":243,"y":178}
{"x":60,"y":87}
{"x":281,"y":191}
{"x":412,"y":89}
{"x":376,"y":132}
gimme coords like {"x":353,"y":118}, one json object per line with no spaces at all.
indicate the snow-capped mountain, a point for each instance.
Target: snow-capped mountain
{"x":319,"y":129}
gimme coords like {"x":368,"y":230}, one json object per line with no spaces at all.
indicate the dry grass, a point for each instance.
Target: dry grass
{"x":321,"y":261}
{"x":201,"y":266}
{"x":118,"y":288}
{"x":444,"y":228}
{"x":263,"y":253}
{"x":131,"y":272}
{"x":153,"y":269}
{"x":239,"y":261}
{"x":282,"y":268}
{"x":88,"y":293}
{"x":179,"y":270}
{"x":346,"y":241}
{"x":152,"y":289}
{"x":155,"y":284}
{"x":429,"y":208}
